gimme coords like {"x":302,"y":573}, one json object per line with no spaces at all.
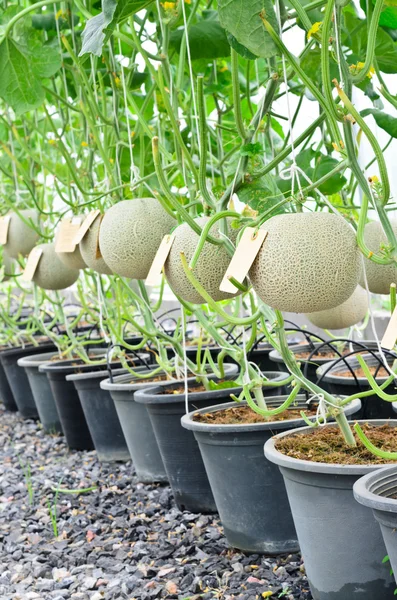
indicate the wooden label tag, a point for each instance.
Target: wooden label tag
{"x":4,"y":224}
{"x":86,"y":224}
{"x":32,"y":263}
{"x":390,"y":335}
{"x":66,"y":235}
{"x":248,"y":247}
{"x":154,"y":275}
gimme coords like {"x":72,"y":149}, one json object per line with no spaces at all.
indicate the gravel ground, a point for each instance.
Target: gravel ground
{"x":124,"y":540}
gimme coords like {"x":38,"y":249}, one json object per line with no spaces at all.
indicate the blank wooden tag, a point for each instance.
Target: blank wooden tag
{"x":154,"y":275}
{"x":88,"y":221}
{"x":66,"y":237}
{"x":32,"y":263}
{"x":4,"y":225}
{"x":390,"y":335}
{"x":248,"y":247}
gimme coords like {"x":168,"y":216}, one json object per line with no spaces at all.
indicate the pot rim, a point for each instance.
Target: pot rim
{"x":188,"y":422}
{"x":297,"y":464}
{"x":98,"y":374}
{"x":152,"y":395}
{"x":366,"y":495}
{"x":65,"y":364}
{"x":118,"y":384}
{"x":275,"y":355}
{"x":35,"y":360}
{"x":331,"y":377}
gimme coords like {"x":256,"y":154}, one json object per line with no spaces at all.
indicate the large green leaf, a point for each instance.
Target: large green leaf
{"x":262,"y":194}
{"x":383,"y":120}
{"x":239,"y":48}
{"x":242,"y":18}
{"x":311,"y":64}
{"x":99,"y":28}
{"x":207,"y":39}
{"x":22,"y":66}
{"x":356,"y":38}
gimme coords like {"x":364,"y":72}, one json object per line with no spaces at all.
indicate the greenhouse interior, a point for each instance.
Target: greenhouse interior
{"x":198,"y":300}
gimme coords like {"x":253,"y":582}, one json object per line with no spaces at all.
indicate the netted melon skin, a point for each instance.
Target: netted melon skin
{"x":347,"y":314}
{"x":21,"y":238}
{"x":130,"y":234}
{"x":308,"y":262}
{"x":88,"y":248}
{"x":210,"y":268}
{"x":379,"y":277}
{"x":51,"y":273}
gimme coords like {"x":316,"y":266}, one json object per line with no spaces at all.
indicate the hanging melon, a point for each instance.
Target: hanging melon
{"x":73,"y":260}
{"x":9,"y":265}
{"x":379,"y":277}
{"x":51,"y":273}
{"x":130,"y":234}
{"x":210,"y":267}
{"x":89,"y":247}
{"x":347,"y":314}
{"x":308,"y":262}
{"x":21,"y":238}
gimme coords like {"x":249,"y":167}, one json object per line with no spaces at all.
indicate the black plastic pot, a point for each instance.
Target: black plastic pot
{"x":378,"y":491}
{"x":17,"y":378}
{"x":249,"y":490}
{"x":101,"y":415}
{"x":136,"y":426}
{"x":6,"y":395}
{"x":373,"y":407}
{"x":178,"y":447}
{"x":310,"y":368}
{"x":41,"y":390}
{"x":340,"y":541}
{"x":67,"y":400}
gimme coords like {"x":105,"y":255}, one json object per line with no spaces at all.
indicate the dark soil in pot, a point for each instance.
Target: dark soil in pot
{"x":249,"y":490}
{"x":17,"y":378}
{"x":340,"y":540}
{"x":178,"y":447}
{"x":378,"y":491}
{"x":101,"y":415}
{"x":341,"y":382}
{"x":41,"y":390}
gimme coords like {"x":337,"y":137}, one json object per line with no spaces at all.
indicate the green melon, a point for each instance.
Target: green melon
{"x":9,"y":265}
{"x":130,"y":234}
{"x":210,"y":268}
{"x":51,"y":273}
{"x":88,"y":248}
{"x":21,"y":238}
{"x":379,"y":277}
{"x":347,"y":314}
{"x":308,"y":262}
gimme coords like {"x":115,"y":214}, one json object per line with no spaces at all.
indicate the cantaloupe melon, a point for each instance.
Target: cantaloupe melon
{"x":308,"y":262}
{"x":210,"y":267}
{"x":51,"y":273}
{"x":9,"y":265}
{"x":379,"y":277}
{"x":21,"y":238}
{"x":88,"y":249}
{"x":130,"y":234}
{"x":347,"y":314}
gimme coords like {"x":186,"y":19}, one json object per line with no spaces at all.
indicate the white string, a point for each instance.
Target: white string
{"x":133,"y":170}
{"x":184,"y":360}
{"x":189,"y":60}
{"x":321,"y":413}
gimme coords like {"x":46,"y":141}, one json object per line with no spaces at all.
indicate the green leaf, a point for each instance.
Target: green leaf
{"x":311,"y":64}
{"x":222,"y":385}
{"x":262,"y":194}
{"x":383,"y":120}
{"x":335,"y":183}
{"x":48,"y":22}
{"x":207,"y":39}
{"x":239,"y":48}
{"x":242,"y":19}
{"x":19,"y":85}
{"x":98,"y":29}
{"x":251,"y":149}
{"x":277,"y":127}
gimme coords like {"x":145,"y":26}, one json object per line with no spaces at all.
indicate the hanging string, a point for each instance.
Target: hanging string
{"x":189,"y":60}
